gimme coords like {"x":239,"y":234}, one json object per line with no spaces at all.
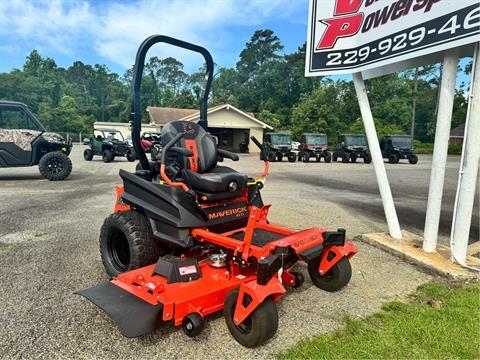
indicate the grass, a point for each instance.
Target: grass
{"x":440,"y":322}
{"x":427,"y":148}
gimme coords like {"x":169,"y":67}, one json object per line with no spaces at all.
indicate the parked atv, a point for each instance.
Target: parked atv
{"x":108,"y":143}
{"x":151,"y":143}
{"x":314,"y":145}
{"x":277,"y":146}
{"x":396,"y":147}
{"x":352,"y":147}
{"x":25,"y":142}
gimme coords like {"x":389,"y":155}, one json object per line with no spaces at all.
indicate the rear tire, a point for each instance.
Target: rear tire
{"x":413,"y":159}
{"x":292,"y":157}
{"x":393,"y":159}
{"x":127,"y":243}
{"x":334,"y":157}
{"x":279,"y":157}
{"x":345,"y":158}
{"x":131,"y":155}
{"x":367,"y":158}
{"x":334,"y":279}
{"x":271,"y":157}
{"x":55,"y":166}
{"x":107,"y":156}
{"x":306,"y":157}
{"x":353,"y":157}
{"x":88,"y":154}
{"x":258,"y":328}
{"x":327,"y":157}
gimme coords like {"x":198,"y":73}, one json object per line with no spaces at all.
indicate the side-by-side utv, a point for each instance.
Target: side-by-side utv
{"x":278,"y":145}
{"x":351,"y":147}
{"x":24,"y":142}
{"x":396,"y":147}
{"x":314,"y":146}
{"x":109,"y":144}
{"x":189,"y":237}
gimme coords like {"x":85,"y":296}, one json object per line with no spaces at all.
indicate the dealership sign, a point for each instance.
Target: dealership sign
{"x":347,"y":36}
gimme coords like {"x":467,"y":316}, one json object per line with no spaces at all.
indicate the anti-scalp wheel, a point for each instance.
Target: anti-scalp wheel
{"x":193,"y":324}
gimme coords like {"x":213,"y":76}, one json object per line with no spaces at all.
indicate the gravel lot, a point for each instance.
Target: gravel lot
{"x":49,"y":249}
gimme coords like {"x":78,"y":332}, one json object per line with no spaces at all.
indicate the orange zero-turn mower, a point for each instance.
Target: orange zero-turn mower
{"x":189,"y":238}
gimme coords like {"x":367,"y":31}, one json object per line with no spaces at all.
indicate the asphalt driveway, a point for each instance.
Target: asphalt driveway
{"x":49,"y":249}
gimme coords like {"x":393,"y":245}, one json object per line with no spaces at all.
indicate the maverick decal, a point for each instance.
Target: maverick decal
{"x":225,"y":213}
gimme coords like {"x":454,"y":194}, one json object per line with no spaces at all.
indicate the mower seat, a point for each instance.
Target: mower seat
{"x":219,"y":179}
{"x":201,"y":172}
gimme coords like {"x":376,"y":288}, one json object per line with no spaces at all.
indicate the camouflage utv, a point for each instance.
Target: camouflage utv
{"x":25,"y":142}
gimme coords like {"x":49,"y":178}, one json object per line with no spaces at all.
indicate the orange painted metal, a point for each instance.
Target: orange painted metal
{"x":205,"y":295}
{"x":170,"y":182}
{"x":249,"y":230}
{"x":347,"y":250}
{"x":257,"y":293}
{"x":192,"y":145}
{"x":119,"y":204}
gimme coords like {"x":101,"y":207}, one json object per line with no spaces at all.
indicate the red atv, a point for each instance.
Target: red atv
{"x":316,"y":146}
{"x":189,"y":238}
{"x":151,"y":143}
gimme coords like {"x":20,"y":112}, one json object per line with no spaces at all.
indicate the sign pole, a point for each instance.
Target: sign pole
{"x":440,"y":149}
{"x":377,"y":159}
{"x":468,"y":181}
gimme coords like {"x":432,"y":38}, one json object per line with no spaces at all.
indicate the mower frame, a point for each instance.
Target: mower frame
{"x":259,"y":257}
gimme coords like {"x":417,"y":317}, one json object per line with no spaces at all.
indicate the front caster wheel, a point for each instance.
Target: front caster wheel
{"x":258,"y":328}
{"x":193,"y":324}
{"x":334,"y":279}
{"x":299,"y":279}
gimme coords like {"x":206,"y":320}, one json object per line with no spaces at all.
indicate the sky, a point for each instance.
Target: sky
{"x":110,"y":31}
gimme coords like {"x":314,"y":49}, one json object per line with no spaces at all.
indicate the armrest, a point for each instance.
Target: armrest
{"x":228,"y":155}
{"x":181,"y":151}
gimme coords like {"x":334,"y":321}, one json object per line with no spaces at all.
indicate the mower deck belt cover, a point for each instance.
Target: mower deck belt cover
{"x":177,"y":270}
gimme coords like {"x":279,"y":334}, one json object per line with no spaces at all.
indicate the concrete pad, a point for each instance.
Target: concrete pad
{"x":474,"y":249}
{"x":410,"y":249}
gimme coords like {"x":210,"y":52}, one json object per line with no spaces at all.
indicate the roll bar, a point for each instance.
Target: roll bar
{"x":136,"y":113}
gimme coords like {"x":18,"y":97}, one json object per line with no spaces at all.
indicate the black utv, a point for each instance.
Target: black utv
{"x":108,"y":143}
{"x":277,"y":146}
{"x":350,"y":147}
{"x":25,"y":142}
{"x":396,"y":147}
{"x":314,"y":145}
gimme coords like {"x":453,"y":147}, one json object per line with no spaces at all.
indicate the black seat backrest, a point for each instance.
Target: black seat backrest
{"x":196,"y":139}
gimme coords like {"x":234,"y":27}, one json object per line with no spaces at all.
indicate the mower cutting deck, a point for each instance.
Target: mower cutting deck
{"x":189,"y":238}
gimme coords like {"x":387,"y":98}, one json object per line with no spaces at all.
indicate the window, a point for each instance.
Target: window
{"x":16,"y":118}
{"x":316,"y":139}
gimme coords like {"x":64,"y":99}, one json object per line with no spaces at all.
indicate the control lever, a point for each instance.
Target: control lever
{"x":193,"y":196}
